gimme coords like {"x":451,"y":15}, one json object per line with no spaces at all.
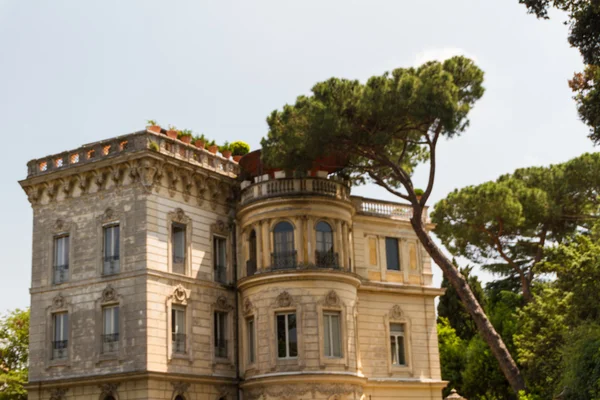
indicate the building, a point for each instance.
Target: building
{"x":157,"y":273}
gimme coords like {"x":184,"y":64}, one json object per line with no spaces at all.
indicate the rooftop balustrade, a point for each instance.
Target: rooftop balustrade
{"x":128,"y":144}
{"x":386,"y":209}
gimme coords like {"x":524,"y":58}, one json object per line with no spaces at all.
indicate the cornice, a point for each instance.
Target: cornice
{"x":298,"y":275}
{"x":399,"y":288}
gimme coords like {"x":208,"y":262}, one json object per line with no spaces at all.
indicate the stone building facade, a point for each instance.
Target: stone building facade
{"x":157,"y":273}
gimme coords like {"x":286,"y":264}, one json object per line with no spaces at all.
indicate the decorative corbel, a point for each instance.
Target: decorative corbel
{"x":200,"y":181}
{"x":187,"y":184}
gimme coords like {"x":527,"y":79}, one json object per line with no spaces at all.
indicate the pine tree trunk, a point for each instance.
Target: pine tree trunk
{"x":484,"y":326}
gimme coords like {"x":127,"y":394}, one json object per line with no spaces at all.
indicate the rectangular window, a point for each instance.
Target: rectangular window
{"x":110,"y":332}
{"x":250,"y":333}
{"x":397,"y":344}
{"x":61,"y":258}
{"x":332,"y":340}
{"x":178,"y":329}
{"x":287,"y":340}
{"x":60,"y":339}
{"x":220,"y":333}
{"x":178,"y":245}
{"x":111,"y":250}
{"x":219,"y":259}
{"x":391,"y":254}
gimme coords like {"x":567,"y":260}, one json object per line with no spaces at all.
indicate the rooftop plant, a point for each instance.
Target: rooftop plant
{"x":240,"y":148}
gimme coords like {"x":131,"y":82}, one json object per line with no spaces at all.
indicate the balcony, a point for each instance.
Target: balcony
{"x":178,"y":342}
{"x":110,"y":342}
{"x":385,"y":209}
{"x":327,"y":259}
{"x":220,"y":348}
{"x":61,"y":273}
{"x":310,"y":186}
{"x":59,"y":349}
{"x":111,"y":265}
{"x":284,"y":260}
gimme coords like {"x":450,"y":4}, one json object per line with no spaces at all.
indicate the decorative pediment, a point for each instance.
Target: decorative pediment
{"x":60,"y":225}
{"x":109,"y":294}
{"x":109,"y":389}
{"x":220,"y":228}
{"x":58,"y":394}
{"x":180,"y":294}
{"x":284,"y":299}
{"x":59,"y":302}
{"x":179,"y":216}
{"x":332,"y":299}
{"x":180,"y":388}
{"x":223,"y":304}
{"x":248,"y":306}
{"x":396,"y":312}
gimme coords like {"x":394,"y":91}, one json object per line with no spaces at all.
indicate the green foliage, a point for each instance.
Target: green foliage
{"x":452,"y":354}
{"x":419,"y":192}
{"x":240,"y":148}
{"x":154,"y":146}
{"x":186,"y":133}
{"x":201,"y":137}
{"x":586,"y":86}
{"x":225,"y":147}
{"x":581,"y":378}
{"x":383,"y":128}
{"x":151,"y":122}
{"x":210,"y":143}
{"x":451,"y":308}
{"x":14,"y":343}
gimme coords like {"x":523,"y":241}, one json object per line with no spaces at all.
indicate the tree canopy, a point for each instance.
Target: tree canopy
{"x":14,"y":354}
{"x":384,"y":128}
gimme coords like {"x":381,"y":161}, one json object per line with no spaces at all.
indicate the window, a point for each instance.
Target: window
{"x":110,"y":332}
{"x":61,"y":258}
{"x":178,"y":329}
{"x":251,"y":263}
{"x":324,"y":255}
{"x":391,"y":254}
{"x":283,"y":241}
{"x":60,"y":339}
{"x":287,"y":340}
{"x":219,"y":256}
{"x":397,"y":344}
{"x":178,"y":247}
{"x":332,"y":340}
{"x":111,"y":250}
{"x":250,"y":344}
{"x":220,"y":333}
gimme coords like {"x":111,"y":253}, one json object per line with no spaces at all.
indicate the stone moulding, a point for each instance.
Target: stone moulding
{"x":295,"y":391}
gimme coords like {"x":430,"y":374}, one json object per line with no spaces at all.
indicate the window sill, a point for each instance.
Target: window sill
{"x":57,"y":363}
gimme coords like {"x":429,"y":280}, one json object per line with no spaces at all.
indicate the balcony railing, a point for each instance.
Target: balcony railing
{"x":61,"y":273}
{"x":221,"y":274}
{"x":327,"y":259}
{"x":59,"y":349}
{"x":111,"y":265}
{"x":178,"y":341}
{"x":294,"y":187}
{"x":250,"y":267}
{"x":110,"y":342}
{"x":221,"y":348}
{"x":284,"y":260}
{"x":386,"y":209}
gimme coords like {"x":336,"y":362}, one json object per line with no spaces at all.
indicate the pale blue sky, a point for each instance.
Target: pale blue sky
{"x":73,"y":72}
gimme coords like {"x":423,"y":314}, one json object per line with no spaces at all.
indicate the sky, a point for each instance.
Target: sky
{"x":74,"y":72}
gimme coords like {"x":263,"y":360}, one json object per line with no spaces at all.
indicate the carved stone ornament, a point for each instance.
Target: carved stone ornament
{"x":148,"y":174}
{"x":223,"y":304}
{"x":248,"y":306}
{"x":179,"y":216}
{"x":58,"y":394}
{"x":220,"y":228}
{"x":60,"y":225}
{"x":332,"y":299}
{"x":109,"y":215}
{"x":109,"y":294}
{"x":180,"y":388}
{"x":59,"y":302}
{"x":109,"y":389}
{"x":295,"y":391}
{"x":225,"y":392}
{"x":396,"y":312}
{"x":284,"y":299}
{"x":180,"y":294}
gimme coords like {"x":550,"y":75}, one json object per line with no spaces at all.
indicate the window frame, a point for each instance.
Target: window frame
{"x":179,"y":297}
{"x":179,"y":217}
{"x":117,"y":261}
{"x":175,"y":310}
{"x":396,"y":354}
{"x":65,"y":336}
{"x":396,"y":316}
{"x":220,"y":239}
{"x":114,"y":346}
{"x":53,"y":259}
{"x":224,"y":334}
{"x":396,"y":241}
{"x":328,"y":314}
{"x":250,"y":345}
{"x":286,"y":315}
{"x":291,"y":250}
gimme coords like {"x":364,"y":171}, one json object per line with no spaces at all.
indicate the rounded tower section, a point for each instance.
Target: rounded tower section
{"x":298,"y":289}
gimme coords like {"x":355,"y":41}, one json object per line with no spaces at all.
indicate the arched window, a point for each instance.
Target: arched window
{"x":324,"y":255}
{"x":251,"y":263}
{"x":284,"y":255}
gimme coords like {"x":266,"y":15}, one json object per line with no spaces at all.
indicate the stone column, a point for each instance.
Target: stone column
{"x":310,"y":240}
{"x":345,"y":238}
{"x":339,"y":242}
{"x":298,"y":239}
{"x":266,"y":244}
{"x":259,"y":246}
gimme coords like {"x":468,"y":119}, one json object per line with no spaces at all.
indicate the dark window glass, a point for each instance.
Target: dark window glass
{"x":391,"y":254}
{"x":111,"y":249}
{"x":287,"y":340}
{"x":219,"y":258}
{"x":178,"y":244}
{"x":324,"y":237}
